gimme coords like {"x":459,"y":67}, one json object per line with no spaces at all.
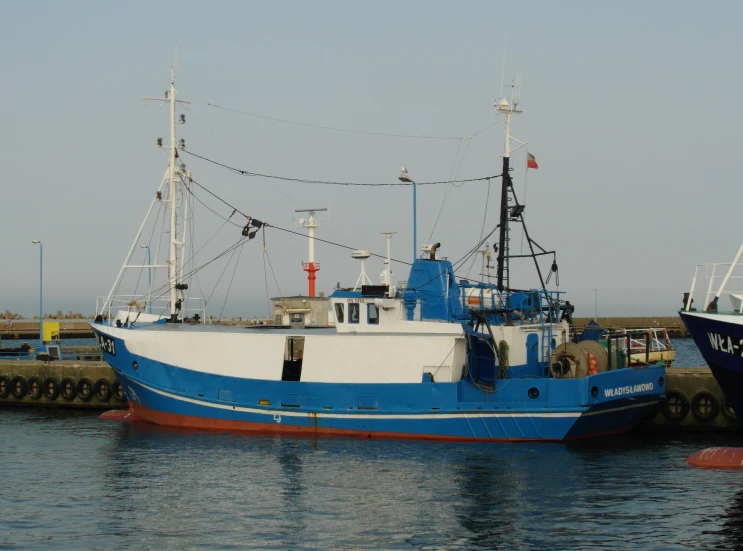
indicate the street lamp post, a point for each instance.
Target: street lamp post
{"x":149,"y":279}
{"x":41,"y":310}
{"x":405,"y":177}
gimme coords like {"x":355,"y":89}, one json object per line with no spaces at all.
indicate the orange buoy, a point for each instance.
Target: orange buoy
{"x":119,"y":415}
{"x":717,"y":458}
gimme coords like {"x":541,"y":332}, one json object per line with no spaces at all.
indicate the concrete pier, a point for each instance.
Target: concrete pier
{"x":60,"y":384}
{"x":693,"y":402}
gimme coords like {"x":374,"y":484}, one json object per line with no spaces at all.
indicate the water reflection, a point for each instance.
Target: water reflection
{"x":142,"y":486}
{"x":732,"y":525}
{"x":294,"y":507}
{"x":487,"y":494}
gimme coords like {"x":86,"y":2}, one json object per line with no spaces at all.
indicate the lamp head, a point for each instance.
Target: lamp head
{"x":145,"y":246}
{"x":36,"y":241}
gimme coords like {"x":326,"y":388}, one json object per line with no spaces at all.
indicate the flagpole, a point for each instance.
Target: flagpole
{"x":526,"y":183}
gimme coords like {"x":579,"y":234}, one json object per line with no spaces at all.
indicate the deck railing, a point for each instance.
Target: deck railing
{"x":159,"y":307}
{"x":711,"y":280}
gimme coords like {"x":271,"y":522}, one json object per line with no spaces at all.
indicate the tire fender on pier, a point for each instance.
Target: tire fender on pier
{"x":51,"y":388}
{"x":4,"y":386}
{"x":68,"y":389}
{"x":102,"y":389}
{"x":727,"y":411}
{"x":19,"y":387}
{"x":118,"y":392}
{"x":84,"y":389}
{"x":705,"y":406}
{"x":35,"y":388}
{"x":676,"y":406}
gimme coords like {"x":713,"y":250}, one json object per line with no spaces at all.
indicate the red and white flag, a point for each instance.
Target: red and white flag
{"x":531,"y":162}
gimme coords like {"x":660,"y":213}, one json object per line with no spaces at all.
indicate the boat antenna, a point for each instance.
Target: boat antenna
{"x":505,"y":107}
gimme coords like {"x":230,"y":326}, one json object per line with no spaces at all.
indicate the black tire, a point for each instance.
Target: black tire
{"x":676,"y":406}
{"x":35,"y":388}
{"x":118,"y":392}
{"x":67,"y":389}
{"x":18,"y":387}
{"x":84,"y":390}
{"x":51,"y":388}
{"x":727,"y":411}
{"x":4,"y":386}
{"x":705,"y":406}
{"x":102,"y":389}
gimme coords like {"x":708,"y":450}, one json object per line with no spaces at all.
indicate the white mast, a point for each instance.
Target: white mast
{"x":170,"y":97}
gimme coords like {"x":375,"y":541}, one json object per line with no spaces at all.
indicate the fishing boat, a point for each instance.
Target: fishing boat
{"x":717,"y":329}
{"x":641,"y":346}
{"x":435,"y":358}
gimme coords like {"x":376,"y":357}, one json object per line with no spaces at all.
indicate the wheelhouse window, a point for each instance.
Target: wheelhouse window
{"x":339,"y":313}
{"x":353,"y":312}
{"x":372,"y":314}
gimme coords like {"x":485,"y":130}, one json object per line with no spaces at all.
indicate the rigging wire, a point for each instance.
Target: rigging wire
{"x":482,"y":229}
{"x":235,"y":209}
{"x":336,"y":129}
{"x":265,"y":279}
{"x":452,"y":185}
{"x":223,"y":271}
{"x":234,"y":271}
{"x":265,"y":251}
{"x":326,"y":182}
{"x":227,"y":147}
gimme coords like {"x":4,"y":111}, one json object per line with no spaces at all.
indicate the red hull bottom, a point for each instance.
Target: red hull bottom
{"x":139,"y":412}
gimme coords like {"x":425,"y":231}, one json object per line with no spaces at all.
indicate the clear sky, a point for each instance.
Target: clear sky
{"x":632,"y":110}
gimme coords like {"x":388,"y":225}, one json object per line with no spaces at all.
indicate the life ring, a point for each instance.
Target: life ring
{"x":118,"y":392}
{"x":676,"y":406}
{"x":102,"y":389}
{"x":705,"y":406}
{"x":35,"y":388}
{"x":728,"y":411}
{"x":51,"y":388}
{"x":4,"y":386}
{"x":85,"y":390}
{"x":18,"y":387}
{"x":68,"y":389}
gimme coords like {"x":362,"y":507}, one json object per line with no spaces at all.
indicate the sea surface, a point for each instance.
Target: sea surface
{"x":72,"y":481}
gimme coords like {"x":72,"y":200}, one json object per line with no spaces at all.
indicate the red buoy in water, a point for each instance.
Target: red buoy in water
{"x":717,"y":458}
{"x":119,"y":415}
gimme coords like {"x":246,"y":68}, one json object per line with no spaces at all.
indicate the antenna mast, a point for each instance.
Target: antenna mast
{"x":173,"y":178}
{"x":506,"y":108}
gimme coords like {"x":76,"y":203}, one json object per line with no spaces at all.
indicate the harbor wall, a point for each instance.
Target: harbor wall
{"x":69,"y":384}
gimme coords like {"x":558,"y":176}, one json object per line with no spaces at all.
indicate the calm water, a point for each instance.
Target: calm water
{"x":73,"y":481}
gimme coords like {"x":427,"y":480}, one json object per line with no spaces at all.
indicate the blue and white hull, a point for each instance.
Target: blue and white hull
{"x":431,"y":407}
